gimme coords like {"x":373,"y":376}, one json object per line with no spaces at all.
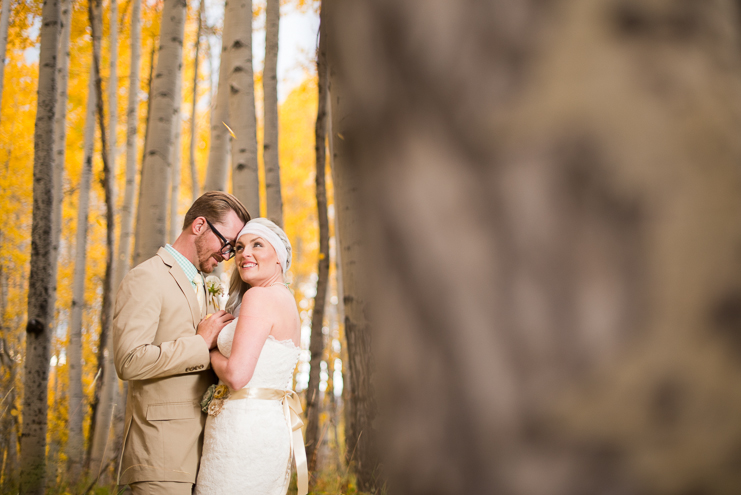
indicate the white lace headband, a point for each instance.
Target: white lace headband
{"x":256,"y":228}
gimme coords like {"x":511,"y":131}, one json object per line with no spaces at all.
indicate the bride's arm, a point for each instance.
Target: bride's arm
{"x":253,"y":327}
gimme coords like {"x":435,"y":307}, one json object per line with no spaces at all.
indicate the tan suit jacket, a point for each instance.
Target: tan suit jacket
{"x":168,"y":368}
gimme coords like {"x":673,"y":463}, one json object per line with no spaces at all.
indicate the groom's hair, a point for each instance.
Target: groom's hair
{"x":215,"y":205}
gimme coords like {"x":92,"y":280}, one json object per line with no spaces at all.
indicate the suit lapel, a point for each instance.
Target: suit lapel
{"x":185,"y":286}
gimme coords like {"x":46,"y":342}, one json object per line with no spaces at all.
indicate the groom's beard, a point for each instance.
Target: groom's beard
{"x":207,"y":260}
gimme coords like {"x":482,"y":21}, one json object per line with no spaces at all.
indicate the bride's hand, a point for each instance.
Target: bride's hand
{"x":210,"y":327}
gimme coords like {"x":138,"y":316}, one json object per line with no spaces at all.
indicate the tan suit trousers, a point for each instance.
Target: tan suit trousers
{"x":161,"y":487}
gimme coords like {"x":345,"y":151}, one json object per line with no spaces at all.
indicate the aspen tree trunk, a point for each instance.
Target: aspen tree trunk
{"x":316,"y":345}
{"x":345,"y":397}
{"x":361,"y":407}
{"x":176,"y":154}
{"x":123,"y":260}
{"x":151,"y":225}
{"x":132,"y":121}
{"x":242,"y":120}
{"x":4,"y":23}
{"x":555,"y":220}
{"x":273,"y":193}
{"x":10,"y":439}
{"x":76,"y":407}
{"x":100,"y":450}
{"x":218,"y":154}
{"x":8,"y":421}
{"x":10,"y":460}
{"x":54,"y":447}
{"x":40,"y":284}
{"x":113,"y":86}
{"x":102,"y":405}
{"x":194,"y":187}
{"x":60,"y":137}
{"x":152,"y":54}
{"x":60,"y":134}
{"x":117,"y":429}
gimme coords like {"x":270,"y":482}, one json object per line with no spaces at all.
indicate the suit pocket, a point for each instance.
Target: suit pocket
{"x":171,"y":410}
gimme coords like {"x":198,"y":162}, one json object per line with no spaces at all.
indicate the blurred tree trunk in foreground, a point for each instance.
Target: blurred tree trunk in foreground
{"x":552,"y":197}
{"x":40,"y":316}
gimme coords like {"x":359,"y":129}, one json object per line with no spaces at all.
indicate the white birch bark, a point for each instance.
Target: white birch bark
{"x":109,"y":379}
{"x":101,"y":452}
{"x":218,"y":153}
{"x":40,"y":312}
{"x":76,"y":407}
{"x":273,"y":193}
{"x":194,"y":187}
{"x":8,"y":422}
{"x":242,"y":120}
{"x":60,"y":136}
{"x":151,"y":225}
{"x":132,"y":118}
{"x":317,"y":343}
{"x":113,"y":87}
{"x":176,"y":162}
{"x":4,"y":24}
{"x":123,"y":259}
{"x":338,"y":256}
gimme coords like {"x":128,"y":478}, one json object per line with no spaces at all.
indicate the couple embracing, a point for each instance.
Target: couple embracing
{"x":168,"y":349}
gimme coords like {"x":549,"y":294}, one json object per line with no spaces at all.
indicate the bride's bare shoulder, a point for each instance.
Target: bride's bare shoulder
{"x":265,"y":298}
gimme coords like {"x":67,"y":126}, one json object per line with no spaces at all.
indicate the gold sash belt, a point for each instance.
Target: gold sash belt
{"x":291,"y":410}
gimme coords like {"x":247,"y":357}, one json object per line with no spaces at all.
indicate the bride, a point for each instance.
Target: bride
{"x":253,"y":422}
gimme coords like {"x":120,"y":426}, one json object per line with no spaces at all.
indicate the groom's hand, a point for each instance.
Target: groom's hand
{"x":210,"y":327}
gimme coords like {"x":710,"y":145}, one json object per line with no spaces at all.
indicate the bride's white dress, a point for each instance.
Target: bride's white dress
{"x":246,"y":448}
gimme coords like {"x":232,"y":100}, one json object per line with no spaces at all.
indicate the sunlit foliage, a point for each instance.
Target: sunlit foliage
{"x":297,"y":117}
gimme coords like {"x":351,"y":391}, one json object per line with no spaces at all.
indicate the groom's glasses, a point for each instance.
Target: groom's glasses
{"x":227,"y":250}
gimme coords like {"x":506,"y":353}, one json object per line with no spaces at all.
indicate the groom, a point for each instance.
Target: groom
{"x":161,"y":346}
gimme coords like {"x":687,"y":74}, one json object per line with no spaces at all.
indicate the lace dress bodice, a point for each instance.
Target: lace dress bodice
{"x":277,"y":360}
{"x":246,"y":447}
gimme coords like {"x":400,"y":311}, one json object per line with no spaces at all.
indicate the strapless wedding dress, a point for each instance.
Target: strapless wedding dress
{"x":246,"y":447}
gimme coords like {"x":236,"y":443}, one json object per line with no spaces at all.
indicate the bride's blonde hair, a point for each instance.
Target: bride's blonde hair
{"x":237,"y":286}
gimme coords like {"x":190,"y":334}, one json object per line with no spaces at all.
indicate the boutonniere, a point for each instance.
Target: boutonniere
{"x":215,"y":290}
{"x":214,"y":399}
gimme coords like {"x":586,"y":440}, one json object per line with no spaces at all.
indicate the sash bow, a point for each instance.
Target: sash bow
{"x":292,"y":411}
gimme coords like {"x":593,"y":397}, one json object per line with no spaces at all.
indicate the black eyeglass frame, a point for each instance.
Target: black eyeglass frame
{"x":225,"y":245}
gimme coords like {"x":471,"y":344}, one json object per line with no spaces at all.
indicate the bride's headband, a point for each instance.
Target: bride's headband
{"x":256,"y":228}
